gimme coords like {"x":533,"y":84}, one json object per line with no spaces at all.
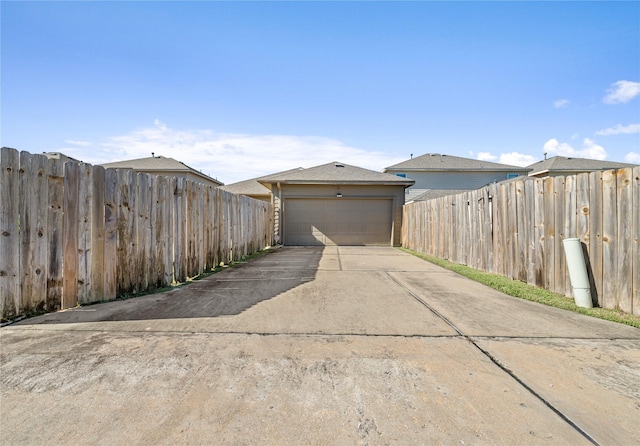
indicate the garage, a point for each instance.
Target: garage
{"x":336,"y":204}
{"x":339,"y":221}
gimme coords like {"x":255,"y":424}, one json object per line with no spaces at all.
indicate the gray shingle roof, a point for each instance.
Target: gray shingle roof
{"x":438,"y":162}
{"x":336,"y":173}
{"x":157,"y":164}
{"x":150,"y":163}
{"x":563,"y":164}
{"x":252,"y":186}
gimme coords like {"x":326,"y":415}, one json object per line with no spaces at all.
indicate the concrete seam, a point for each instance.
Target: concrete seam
{"x":256,"y":333}
{"x":497,"y":363}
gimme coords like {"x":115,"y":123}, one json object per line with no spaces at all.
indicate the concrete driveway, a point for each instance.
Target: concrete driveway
{"x":321,"y":346}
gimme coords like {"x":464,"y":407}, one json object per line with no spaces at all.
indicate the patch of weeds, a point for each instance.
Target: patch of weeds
{"x":523,"y":290}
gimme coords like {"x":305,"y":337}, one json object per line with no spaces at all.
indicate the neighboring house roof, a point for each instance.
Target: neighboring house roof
{"x":336,"y":173}
{"x":253,"y":187}
{"x":60,"y":156}
{"x":437,"y":193}
{"x":159,"y":165}
{"x":563,"y":164}
{"x":438,"y":162}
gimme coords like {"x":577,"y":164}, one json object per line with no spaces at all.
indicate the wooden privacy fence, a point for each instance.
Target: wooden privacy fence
{"x":515,"y":229}
{"x":75,"y":233}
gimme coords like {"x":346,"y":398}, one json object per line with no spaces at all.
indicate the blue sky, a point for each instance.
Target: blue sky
{"x":241,"y":89}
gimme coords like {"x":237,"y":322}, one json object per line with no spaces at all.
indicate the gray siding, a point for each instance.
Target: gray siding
{"x":454,"y":180}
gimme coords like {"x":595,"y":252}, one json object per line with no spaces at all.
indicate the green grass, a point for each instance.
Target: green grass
{"x":529,"y":292}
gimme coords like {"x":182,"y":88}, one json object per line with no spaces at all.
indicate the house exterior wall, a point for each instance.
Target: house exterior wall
{"x":453,"y":180}
{"x":395,"y":193}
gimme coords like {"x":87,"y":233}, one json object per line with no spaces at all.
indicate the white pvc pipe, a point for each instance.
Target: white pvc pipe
{"x":578,"y":272}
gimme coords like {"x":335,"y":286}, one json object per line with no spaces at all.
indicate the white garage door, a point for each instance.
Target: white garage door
{"x":339,"y":221}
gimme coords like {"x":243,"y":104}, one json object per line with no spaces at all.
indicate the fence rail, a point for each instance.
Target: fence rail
{"x":516,"y":229}
{"x":75,"y":233}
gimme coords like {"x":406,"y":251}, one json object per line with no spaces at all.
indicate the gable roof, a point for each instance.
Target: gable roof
{"x":159,"y":164}
{"x":60,"y":156}
{"x":252,"y":186}
{"x":438,"y":162}
{"x":564,"y":164}
{"x":336,"y":173}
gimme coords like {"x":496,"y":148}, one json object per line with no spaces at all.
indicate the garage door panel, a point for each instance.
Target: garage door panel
{"x":337,"y":221}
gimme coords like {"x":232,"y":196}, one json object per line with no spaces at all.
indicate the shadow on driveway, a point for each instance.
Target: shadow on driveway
{"x":226,"y":293}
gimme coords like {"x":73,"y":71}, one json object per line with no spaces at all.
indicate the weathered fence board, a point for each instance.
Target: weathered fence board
{"x":569,"y":229}
{"x":55,"y":224}
{"x":9,"y":232}
{"x":539,"y":261}
{"x":526,"y":223}
{"x":126,"y":230}
{"x":549,"y":235}
{"x":609,"y":245}
{"x":74,"y":233}
{"x":498,"y":235}
{"x":558,"y":210}
{"x":153,"y":272}
{"x":33,"y":230}
{"x":595,"y":232}
{"x":85,"y":199}
{"x":624,"y":240}
{"x":521,"y":234}
{"x":111,"y":200}
{"x":70,"y":211}
{"x":635,"y":253}
{"x":528,"y":226}
{"x":179,"y":253}
{"x":97,"y":236}
{"x":143,"y":230}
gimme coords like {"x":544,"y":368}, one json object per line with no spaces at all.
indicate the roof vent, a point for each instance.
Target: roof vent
{"x":339,"y":165}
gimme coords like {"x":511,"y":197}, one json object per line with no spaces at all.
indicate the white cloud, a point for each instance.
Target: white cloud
{"x":589,"y":149}
{"x":78,"y":143}
{"x":517,"y":159}
{"x":486,"y":156}
{"x":632,"y":157}
{"x":159,"y":124}
{"x":511,"y":158}
{"x":622,"y":92}
{"x":631,"y":128}
{"x":561,"y":103}
{"x":232,"y":157}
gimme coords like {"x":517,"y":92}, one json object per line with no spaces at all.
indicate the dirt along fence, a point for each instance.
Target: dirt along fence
{"x":515,"y":229}
{"x":75,"y":233}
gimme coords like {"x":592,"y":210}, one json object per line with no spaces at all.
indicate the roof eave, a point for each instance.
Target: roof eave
{"x":457,"y":169}
{"x":345,"y":182}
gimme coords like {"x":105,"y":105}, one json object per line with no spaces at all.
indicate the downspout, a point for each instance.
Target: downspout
{"x":578,"y":272}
